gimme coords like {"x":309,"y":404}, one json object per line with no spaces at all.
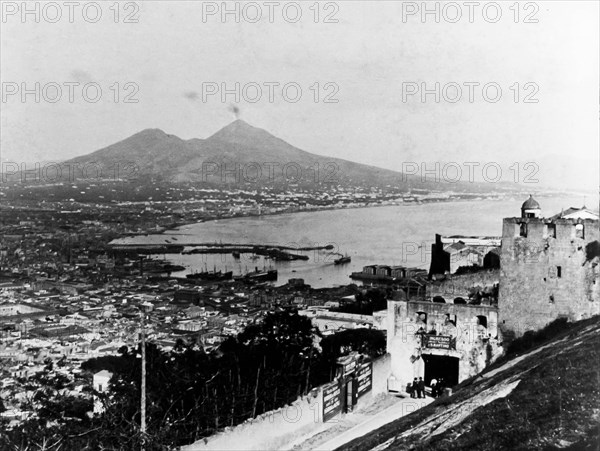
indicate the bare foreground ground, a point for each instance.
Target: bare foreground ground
{"x":370,"y":414}
{"x":383,"y":409}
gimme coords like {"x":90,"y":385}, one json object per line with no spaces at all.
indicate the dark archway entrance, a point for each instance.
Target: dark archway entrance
{"x":437,"y":366}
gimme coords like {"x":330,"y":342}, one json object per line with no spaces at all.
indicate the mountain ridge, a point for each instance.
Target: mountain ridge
{"x":240,"y":146}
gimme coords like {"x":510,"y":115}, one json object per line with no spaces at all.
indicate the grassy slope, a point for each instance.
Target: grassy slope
{"x":556,"y":404}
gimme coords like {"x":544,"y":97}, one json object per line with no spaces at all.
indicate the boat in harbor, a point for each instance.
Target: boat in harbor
{"x":265,"y":275}
{"x":342,"y":260}
{"x":211,"y":275}
{"x":160,"y":267}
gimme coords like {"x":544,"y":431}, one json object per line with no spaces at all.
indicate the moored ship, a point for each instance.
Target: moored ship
{"x":265,"y":275}
{"x":211,"y":275}
{"x":342,"y":260}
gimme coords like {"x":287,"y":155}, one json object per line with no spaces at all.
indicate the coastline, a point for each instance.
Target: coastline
{"x":177,"y":228}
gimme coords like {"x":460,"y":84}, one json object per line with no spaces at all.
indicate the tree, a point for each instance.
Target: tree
{"x":192,"y":394}
{"x":370,"y":342}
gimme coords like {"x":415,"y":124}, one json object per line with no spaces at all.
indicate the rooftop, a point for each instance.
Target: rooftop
{"x":530,"y":204}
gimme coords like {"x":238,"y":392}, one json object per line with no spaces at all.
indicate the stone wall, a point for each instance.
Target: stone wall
{"x":336,"y":321}
{"x":382,"y":368}
{"x":453,"y":286}
{"x":547,"y":274}
{"x":476,"y":346}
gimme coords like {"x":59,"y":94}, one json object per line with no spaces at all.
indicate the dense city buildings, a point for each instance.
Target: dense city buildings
{"x":72,"y":292}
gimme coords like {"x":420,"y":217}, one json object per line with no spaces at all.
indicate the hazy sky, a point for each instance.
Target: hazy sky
{"x":369,"y":56}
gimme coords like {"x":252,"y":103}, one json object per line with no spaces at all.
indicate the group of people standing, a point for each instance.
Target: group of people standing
{"x":417,"y":388}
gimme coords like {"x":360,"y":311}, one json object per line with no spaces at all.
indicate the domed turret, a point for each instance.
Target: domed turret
{"x":530,"y":208}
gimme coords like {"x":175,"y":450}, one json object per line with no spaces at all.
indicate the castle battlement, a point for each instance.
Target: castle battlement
{"x":541,"y":228}
{"x":561,"y":221}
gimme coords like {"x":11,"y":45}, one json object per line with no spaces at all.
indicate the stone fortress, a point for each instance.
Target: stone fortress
{"x":548,"y":268}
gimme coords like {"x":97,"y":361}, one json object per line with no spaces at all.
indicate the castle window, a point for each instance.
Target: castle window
{"x":481,"y":326}
{"x":559,"y":271}
{"x":482,"y":320}
{"x":523,"y":229}
{"x":550,"y":230}
{"x":579,"y":231}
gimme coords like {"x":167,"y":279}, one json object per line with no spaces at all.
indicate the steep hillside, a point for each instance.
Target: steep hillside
{"x":547,"y":398}
{"x":152,"y":151}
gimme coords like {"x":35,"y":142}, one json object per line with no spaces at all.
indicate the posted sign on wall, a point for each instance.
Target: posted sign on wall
{"x":348,"y":365}
{"x":332,"y":401}
{"x":438,"y":341}
{"x":364,"y":376}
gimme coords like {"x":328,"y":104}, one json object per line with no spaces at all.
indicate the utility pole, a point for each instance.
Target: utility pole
{"x":143,"y":401}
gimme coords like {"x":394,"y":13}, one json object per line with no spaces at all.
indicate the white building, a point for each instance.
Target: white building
{"x":100,"y":383}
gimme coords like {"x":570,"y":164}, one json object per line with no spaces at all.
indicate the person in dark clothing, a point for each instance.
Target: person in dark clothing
{"x":415,"y":388}
{"x":440,"y":387}
{"x":421,"y":386}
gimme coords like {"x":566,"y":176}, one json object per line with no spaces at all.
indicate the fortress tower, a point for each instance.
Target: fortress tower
{"x":550,"y":268}
{"x":531,"y":208}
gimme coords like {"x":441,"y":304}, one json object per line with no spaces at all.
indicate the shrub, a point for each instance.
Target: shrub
{"x":533,"y":338}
